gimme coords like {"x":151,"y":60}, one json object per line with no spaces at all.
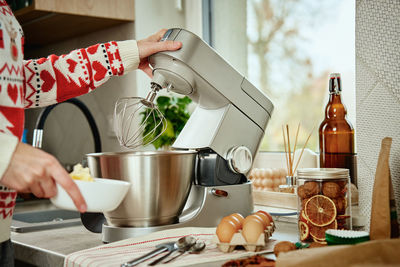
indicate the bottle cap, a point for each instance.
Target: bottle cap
{"x":335,"y":86}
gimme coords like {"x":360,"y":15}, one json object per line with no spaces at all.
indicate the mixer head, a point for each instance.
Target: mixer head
{"x":138,"y":121}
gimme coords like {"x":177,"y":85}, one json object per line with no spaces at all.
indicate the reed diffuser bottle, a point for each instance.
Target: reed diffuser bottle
{"x":336,"y":134}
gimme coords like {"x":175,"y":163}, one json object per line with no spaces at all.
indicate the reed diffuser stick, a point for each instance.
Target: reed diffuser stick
{"x":295,"y":144}
{"x":284,"y":142}
{"x":289,"y":151}
{"x":289,"y":156}
{"x":302,"y":150}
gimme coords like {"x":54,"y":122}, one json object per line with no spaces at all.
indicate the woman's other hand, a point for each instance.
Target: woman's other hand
{"x":33,"y":170}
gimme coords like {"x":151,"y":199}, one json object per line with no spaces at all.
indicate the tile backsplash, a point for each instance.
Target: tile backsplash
{"x":377,"y":92}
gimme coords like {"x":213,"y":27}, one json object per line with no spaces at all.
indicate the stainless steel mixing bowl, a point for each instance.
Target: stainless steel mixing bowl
{"x":160,"y":181}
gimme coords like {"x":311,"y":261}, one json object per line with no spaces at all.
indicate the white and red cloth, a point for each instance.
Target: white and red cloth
{"x":45,"y":81}
{"x":116,"y":253}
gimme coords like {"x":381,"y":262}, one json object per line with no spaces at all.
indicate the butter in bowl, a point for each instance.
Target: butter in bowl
{"x":100,"y":194}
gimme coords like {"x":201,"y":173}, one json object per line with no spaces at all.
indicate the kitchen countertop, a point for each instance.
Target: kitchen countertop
{"x":50,"y":247}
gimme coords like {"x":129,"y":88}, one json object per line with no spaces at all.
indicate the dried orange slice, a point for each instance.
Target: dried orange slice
{"x":320,"y":210}
{"x":318,"y":232}
{"x":304,"y":231}
{"x":320,"y":241}
{"x":303,"y":217}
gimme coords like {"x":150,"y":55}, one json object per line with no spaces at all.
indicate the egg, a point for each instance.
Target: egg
{"x":239,"y":217}
{"x":266,"y":216}
{"x":255,"y":173}
{"x":250,"y":177}
{"x":283,"y":172}
{"x":252,"y":174}
{"x":225,"y":230}
{"x":277,"y":182}
{"x":275,"y":173}
{"x":268,"y":173}
{"x":252,"y":230}
{"x":256,"y":182}
{"x":254,"y":216}
{"x":235,"y":220}
{"x":269,"y":183}
{"x":265,"y":182}
{"x":260,"y":173}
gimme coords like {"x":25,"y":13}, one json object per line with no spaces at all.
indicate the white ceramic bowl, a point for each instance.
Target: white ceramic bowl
{"x":101,"y":195}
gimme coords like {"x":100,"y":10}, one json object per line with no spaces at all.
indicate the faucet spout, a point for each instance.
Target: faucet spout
{"x":38,"y":131}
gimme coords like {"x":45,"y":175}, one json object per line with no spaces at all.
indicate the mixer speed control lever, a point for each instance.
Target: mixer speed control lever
{"x":240,"y":159}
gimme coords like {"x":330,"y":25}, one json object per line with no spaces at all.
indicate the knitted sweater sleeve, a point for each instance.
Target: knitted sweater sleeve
{"x":57,"y":78}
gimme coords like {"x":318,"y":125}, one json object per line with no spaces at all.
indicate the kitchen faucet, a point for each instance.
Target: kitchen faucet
{"x":38,"y":131}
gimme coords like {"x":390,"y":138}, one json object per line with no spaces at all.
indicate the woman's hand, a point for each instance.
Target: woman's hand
{"x":152,"y":45}
{"x":33,"y":170}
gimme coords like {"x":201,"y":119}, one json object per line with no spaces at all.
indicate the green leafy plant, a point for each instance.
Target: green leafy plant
{"x":176,"y":115}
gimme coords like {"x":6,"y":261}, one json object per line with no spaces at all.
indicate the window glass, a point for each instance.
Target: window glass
{"x":292,"y":47}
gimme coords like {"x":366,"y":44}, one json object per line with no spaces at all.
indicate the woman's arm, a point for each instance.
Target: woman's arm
{"x":57,"y":78}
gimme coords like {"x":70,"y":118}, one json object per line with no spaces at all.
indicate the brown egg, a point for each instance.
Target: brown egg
{"x":268,"y":215}
{"x":268,"y":173}
{"x":252,"y":229}
{"x":265,"y":218}
{"x":255,"y":216}
{"x":265,"y":182}
{"x":283,"y":172}
{"x":277,"y":182}
{"x":225,"y":231}
{"x":276,"y":173}
{"x":239,"y":217}
{"x":235,"y":220}
{"x":256,"y":182}
{"x":270,"y":183}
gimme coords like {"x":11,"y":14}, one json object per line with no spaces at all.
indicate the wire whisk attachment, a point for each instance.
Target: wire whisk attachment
{"x":138,"y":121}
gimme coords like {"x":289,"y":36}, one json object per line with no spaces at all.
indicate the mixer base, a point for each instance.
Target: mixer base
{"x":204,"y":208}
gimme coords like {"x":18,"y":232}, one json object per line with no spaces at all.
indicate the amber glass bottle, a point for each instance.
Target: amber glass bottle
{"x":336,"y":134}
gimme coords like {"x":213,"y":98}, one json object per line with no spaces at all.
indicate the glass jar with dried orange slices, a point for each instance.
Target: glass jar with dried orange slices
{"x":324,"y":202}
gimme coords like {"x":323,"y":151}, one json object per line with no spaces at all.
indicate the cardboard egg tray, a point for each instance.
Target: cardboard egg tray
{"x":239,"y":240}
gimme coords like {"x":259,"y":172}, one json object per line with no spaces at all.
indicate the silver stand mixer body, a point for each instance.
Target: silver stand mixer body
{"x":225,"y":129}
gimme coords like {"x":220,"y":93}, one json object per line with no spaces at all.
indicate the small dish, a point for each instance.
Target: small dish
{"x":101,"y":195}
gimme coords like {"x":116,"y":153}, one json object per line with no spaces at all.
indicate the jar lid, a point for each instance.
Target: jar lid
{"x":323,"y":173}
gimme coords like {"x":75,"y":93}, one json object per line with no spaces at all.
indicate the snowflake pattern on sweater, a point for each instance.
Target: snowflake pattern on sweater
{"x":44,"y":81}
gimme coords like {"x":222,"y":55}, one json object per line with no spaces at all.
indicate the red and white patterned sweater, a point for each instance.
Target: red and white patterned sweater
{"x":45,"y":81}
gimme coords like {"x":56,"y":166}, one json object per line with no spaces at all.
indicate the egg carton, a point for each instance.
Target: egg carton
{"x":239,"y":240}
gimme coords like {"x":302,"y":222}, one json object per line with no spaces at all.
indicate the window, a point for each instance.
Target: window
{"x":288,"y":49}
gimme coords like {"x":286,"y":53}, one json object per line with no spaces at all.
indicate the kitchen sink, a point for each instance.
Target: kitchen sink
{"x":44,"y":219}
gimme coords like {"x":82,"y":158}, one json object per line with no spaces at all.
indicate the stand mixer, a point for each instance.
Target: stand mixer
{"x":224,"y":132}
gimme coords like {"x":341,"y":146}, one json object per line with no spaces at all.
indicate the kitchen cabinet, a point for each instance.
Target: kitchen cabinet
{"x":49,"y":21}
